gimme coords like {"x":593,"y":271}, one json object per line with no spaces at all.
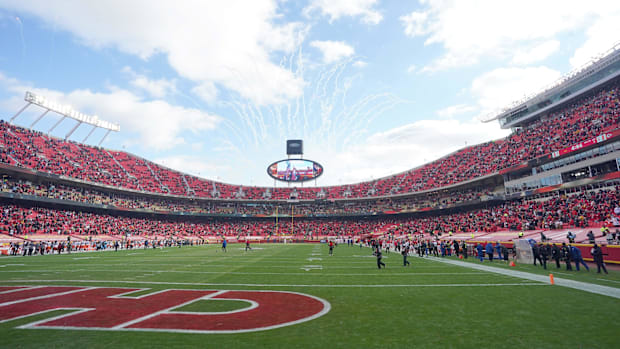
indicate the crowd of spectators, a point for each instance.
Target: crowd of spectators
{"x":20,"y":221}
{"x":581,"y":208}
{"x":64,"y":244}
{"x":585,"y":119}
{"x":576,"y":209}
{"x":167,"y":204}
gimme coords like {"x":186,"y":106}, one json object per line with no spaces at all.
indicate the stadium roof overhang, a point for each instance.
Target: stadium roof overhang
{"x":595,"y":66}
{"x":67,"y":112}
{"x":519,"y":121}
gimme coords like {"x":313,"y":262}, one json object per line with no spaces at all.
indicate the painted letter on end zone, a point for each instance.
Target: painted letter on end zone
{"x":107,"y":308}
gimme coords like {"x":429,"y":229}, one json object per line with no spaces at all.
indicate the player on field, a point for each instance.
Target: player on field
{"x":247,"y":245}
{"x":331,"y":248}
{"x":379,"y":256}
{"x":224,"y":243}
{"x":405,"y":252}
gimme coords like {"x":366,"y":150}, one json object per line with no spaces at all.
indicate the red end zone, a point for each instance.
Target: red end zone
{"x":106,"y":308}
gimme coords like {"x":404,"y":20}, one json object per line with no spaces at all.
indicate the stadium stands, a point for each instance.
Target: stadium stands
{"x":587,"y":118}
{"x":83,"y":192}
{"x":588,"y":208}
{"x":125,"y":200}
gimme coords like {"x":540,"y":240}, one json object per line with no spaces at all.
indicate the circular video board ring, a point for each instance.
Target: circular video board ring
{"x":295,"y":170}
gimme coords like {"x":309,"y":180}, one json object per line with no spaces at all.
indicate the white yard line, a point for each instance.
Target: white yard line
{"x":281,"y":285}
{"x":45,"y":296}
{"x":21,"y":288}
{"x":234,"y":273}
{"x":583,"y":286}
{"x":206,"y":265}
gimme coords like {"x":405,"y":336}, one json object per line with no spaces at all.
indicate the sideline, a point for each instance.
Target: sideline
{"x":578,"y":285}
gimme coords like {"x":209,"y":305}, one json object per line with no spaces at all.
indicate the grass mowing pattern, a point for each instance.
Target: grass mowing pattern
{"x":396,"y":307}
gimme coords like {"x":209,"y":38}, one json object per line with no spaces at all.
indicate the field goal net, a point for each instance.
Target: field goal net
{"x":524,"y":251}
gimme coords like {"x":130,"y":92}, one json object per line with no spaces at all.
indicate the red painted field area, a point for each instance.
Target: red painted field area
{"x":107,"y":308}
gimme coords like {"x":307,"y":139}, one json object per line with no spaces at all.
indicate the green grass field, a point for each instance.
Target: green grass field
{"x":429,"y":304}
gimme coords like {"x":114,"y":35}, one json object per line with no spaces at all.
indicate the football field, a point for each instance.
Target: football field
{"x":294,"y":296}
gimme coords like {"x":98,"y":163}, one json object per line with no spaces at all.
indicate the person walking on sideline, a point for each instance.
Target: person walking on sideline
{"x":405,"y":252}
{"x":556,"y":254}
{"x":566,"y":253}
{"x":597,"y":254}
{"x":576,"y":254}
{"x":498,"y":249}
{"x":543,"y":252}
{"x":490,"y":251}
{"x":379,"y":256}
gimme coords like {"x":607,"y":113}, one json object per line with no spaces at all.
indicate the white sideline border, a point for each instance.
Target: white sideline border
{"x":282,"y":285}
{"x":578,"y":285}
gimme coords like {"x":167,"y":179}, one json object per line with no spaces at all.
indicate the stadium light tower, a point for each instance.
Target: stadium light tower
{"x":67,"y":112}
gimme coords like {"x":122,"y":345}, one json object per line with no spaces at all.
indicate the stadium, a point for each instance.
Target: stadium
{"x":102,"y":247}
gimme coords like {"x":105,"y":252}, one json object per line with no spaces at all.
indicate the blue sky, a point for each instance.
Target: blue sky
{"x":214,"y":88}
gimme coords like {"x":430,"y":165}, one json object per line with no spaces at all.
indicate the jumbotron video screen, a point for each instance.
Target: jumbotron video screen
{"x":295,"y":170}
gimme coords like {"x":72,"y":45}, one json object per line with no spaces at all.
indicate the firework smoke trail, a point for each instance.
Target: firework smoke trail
{"x":227,"y":123}
{"x":239,"y":107}
{"x":52,"y":48}
{"x":372,"y":112}
{"x":240,"y":110}
{"x":322,"y":113}
{"x":21,"y":36}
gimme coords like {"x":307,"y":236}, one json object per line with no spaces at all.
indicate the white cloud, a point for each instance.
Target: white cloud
{"x":536,"y":54}
{"x":193,"y":165}
{"x":360,"y":64}
{"x":454,"y":110}
{"x":333,"y":51}
{"x":206,"y":91}
{"x":336,"y":9}
{"x":601,"y":36}
{"x":412,"y":69}
{"x":155,"y":123}
{"x":500,"y":87}
{"x":159,"y":88}
{"x":473,"y":30}
{"x":227,"y":43}
{"x":416,"y":23}
{"x":405,"y":147}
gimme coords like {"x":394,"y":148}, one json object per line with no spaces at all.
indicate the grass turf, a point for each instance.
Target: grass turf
{"x":429,"y":304}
